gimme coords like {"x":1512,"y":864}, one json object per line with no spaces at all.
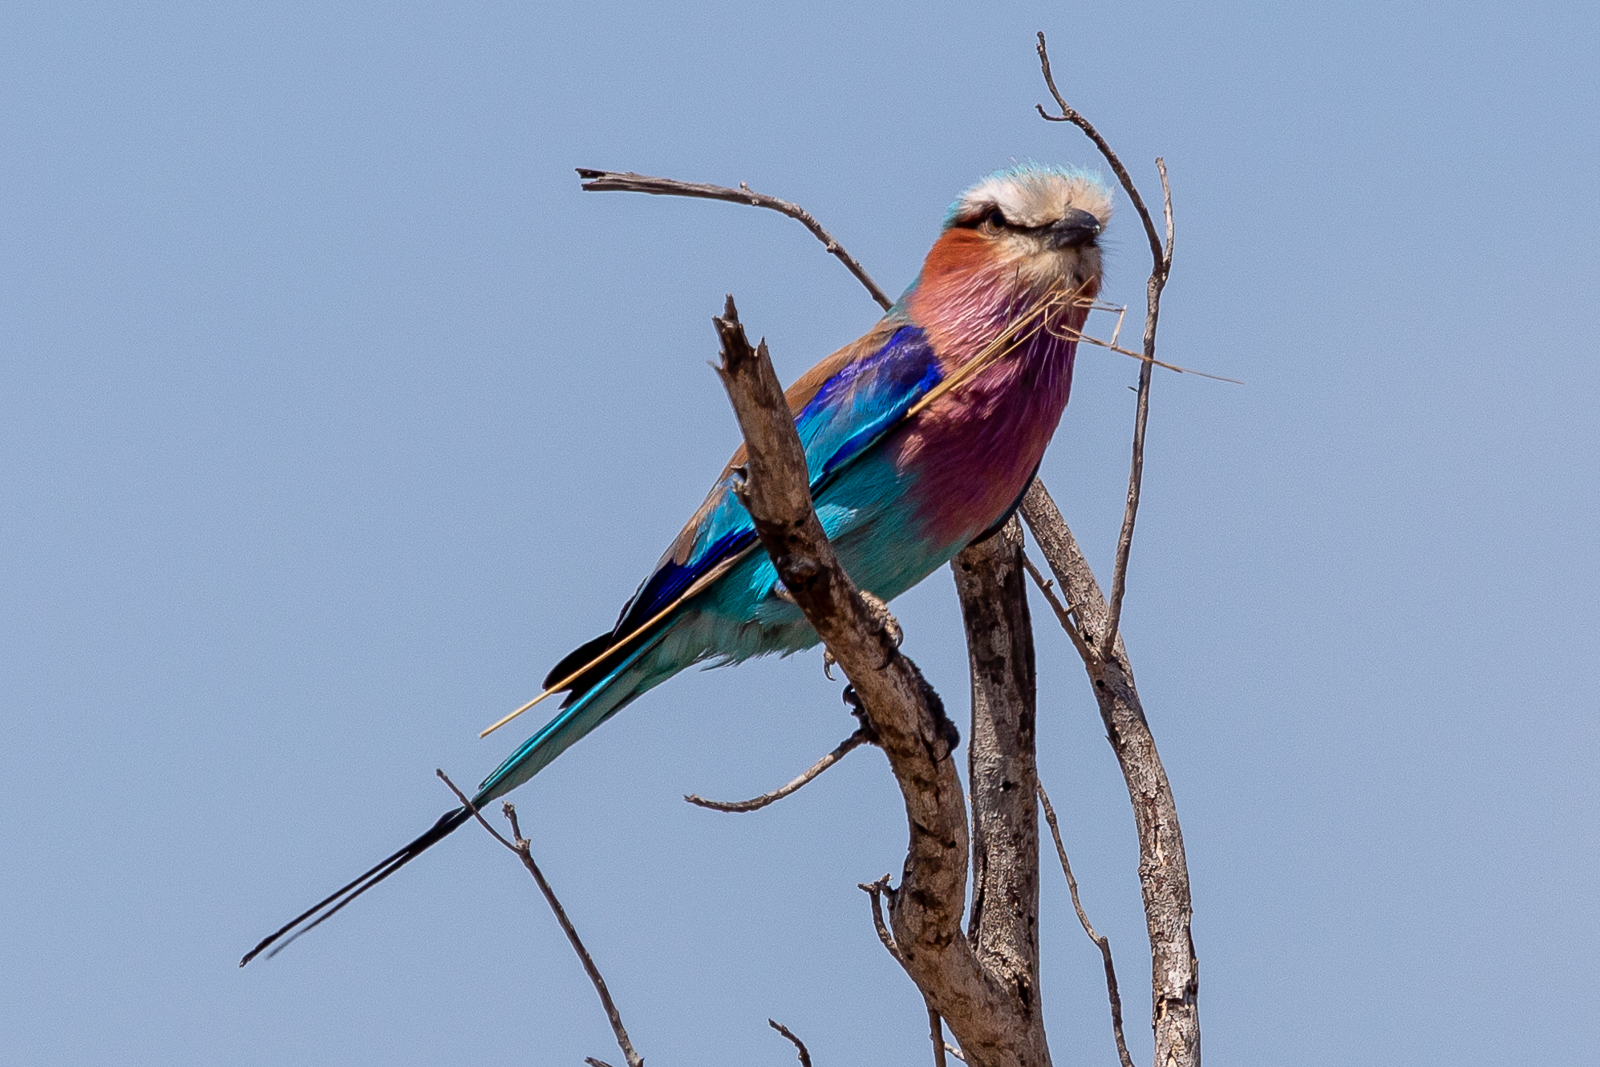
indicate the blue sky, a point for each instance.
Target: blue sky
{"x":332,"y":414}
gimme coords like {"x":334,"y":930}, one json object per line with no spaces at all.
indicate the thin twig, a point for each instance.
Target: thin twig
{"x":948,"y":1047}
{"x":1100,"y":940}
{"x":473,"y":808}
{"x":1119,"y":573}
{"x":805,"y":1056}
{"x":525,"y":853}
{"x":936,"y":1033}
{"x":1161,"y":257}
{"x":848,"y":745}
{"x":1070,"y":114}
{"x":1063,"y":613}
{"x":609,"y":181}
{"x":1158,"y":281}
{"x":874,"y":890}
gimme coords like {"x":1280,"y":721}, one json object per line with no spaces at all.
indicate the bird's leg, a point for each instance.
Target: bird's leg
{"x":885,"y":620}
{"x":887,"y":624}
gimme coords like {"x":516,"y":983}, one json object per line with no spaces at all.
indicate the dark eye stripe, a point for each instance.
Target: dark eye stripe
{"x":993,"y":215}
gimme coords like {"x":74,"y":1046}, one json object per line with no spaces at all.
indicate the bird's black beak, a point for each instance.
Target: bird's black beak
{"x":1076,"y":229}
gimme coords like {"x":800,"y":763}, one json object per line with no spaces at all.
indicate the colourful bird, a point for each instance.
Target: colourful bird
{"x":920,"y":438}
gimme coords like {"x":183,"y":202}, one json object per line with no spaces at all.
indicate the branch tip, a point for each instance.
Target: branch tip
{"x":525,"y":854}
{"x":800,"y":1046}
{"x":843,"y":749}
{"x":611,"y":181}
{"x":1100,"y":940}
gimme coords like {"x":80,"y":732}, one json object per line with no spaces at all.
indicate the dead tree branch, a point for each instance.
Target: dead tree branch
{"x":1163,"y":869}
{"x":610,"y":181}
{"x":877,"y":891}
{"x":524,"y":852}
{"x":805,"y":1056}
{"x":1003,"y":924}
{"x":936,"y":1034}
{"x":847,"y":746}
{"x":901,"y":706}
{"x":1062,"y":612}
{"x":1100,"y":940}
{"x":1161,"y":256}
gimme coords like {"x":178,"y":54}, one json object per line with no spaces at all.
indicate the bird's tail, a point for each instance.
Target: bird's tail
{"x":638,"y":672}
{"x":335,"y":902}
{"x":641,"y":669}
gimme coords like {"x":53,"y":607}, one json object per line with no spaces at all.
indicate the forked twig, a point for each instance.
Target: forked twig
{"x":1101,"y":942}
{"x":805,"y":1056}
{"x":611,"y":181}
{"x":525,"y":853}
{"x":1161,"y":256}
{"x":876,"y":890}
{"x":848,"y":745}
{"x":1062,"y":612}
{"x":1070,"y":114}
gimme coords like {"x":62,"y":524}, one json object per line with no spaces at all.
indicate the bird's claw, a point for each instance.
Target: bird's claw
{"x":888,"y":625}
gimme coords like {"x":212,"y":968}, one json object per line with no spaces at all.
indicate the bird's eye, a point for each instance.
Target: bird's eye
{"x":995,"y":220}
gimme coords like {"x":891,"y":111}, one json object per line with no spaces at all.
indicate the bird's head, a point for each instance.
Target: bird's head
{"x":1031,"y":226}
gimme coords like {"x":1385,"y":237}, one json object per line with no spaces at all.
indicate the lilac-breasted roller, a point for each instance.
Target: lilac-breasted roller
{"x":920,"y":438}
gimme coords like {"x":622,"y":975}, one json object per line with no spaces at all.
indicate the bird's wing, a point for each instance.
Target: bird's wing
{"x":842,"y":406}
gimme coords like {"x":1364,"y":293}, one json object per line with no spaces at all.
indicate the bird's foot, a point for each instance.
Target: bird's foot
{"x":884,"y":618}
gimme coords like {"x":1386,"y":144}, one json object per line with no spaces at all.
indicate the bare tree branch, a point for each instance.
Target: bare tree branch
{"x":848,"y":745}
{"x":1070,"y":114}
{"x":1003,"y":924}
{"x":525,"y":853}
{"x":901,"y":706}
{"x":805,"y":1056}
{"x":936,"y":1033}
{"x":1062,"y":612}
{"x":1158,"y":282}
{"x":1163,"y":869}
{"x":608,"y":181}
{"x":877,"y":890}
{"x":1161,"y":257}
{"x":1100,"y":941}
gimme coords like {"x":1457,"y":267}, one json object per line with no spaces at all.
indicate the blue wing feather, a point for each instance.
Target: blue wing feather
{"x":848,"y":414}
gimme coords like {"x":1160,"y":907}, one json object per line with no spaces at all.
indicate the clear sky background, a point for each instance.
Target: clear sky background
{"x":332,"y":413}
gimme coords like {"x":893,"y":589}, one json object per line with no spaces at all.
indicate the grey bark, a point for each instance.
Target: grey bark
{"x":1002,"y":773}
{"x":1163,"y":869}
